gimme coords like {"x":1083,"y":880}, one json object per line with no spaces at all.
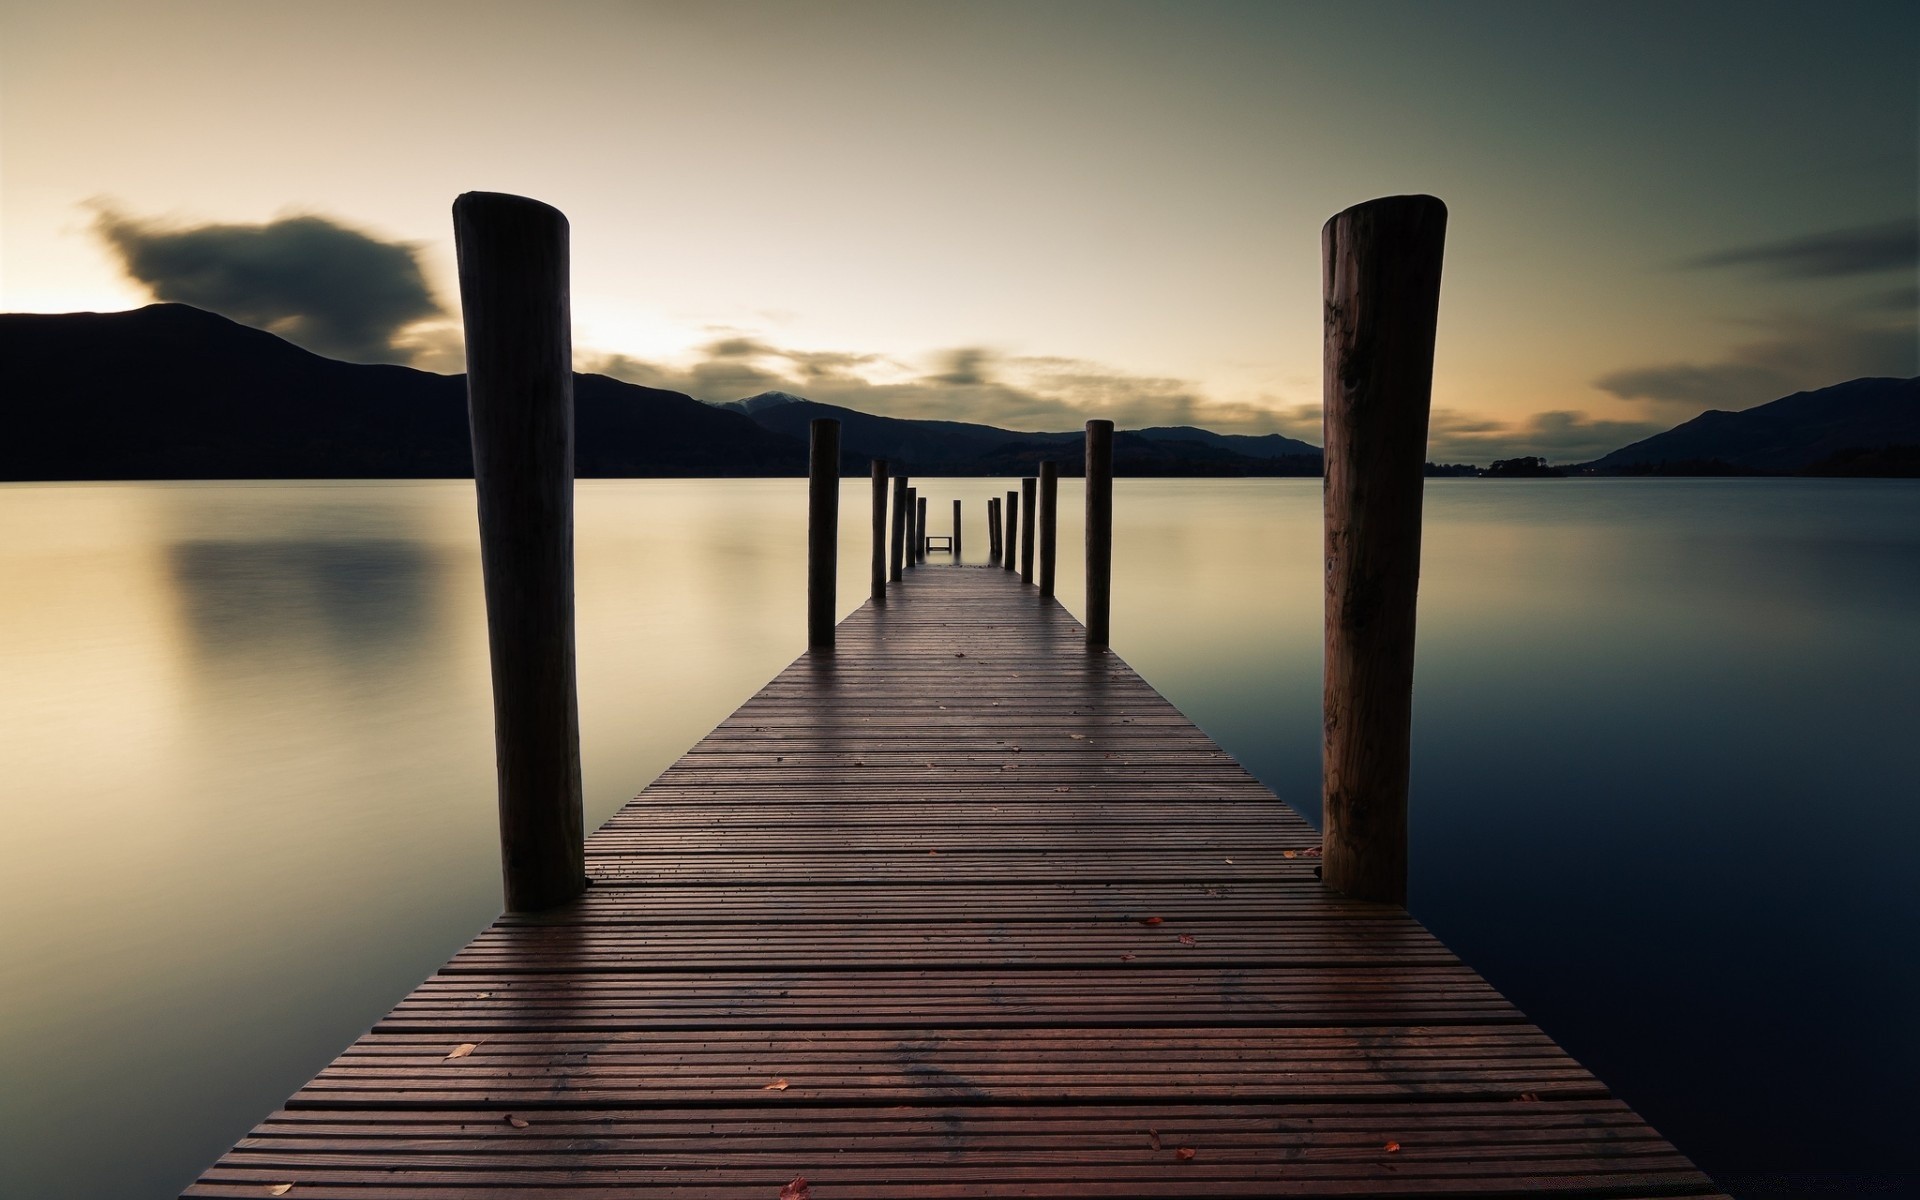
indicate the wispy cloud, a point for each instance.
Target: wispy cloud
{"x":1860,"y":250}
{"x":1792,"y":354}
{"x":336,"y":290}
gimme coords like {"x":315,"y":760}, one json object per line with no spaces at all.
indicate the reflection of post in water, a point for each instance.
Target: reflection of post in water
{"x":370,"y":598}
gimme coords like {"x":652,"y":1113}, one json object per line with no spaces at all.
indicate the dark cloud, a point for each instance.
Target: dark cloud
{"x":335,"y":290}
{"x":1862,"y":250}
{"x":1794,"y":354}
{"x":1557,"y":436}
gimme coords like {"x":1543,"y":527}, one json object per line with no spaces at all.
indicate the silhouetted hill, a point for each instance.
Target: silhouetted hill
{"x":172,"y":392}
{"x":1842,"y":424}
{"x":962,"y":448}
{"x":1268,"y":445}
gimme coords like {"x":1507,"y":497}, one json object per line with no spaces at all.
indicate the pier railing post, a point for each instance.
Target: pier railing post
{"x":1382,"y":298}
{"x":956,"y":533}
{"x":1049,"y":524}
{"x":1011,"y":539}
{"x":993,"y":529}
{"x":878,"y":592}
{"x":823,"y":530}
{"x":1099,"y":480}
{"x":913,"y":525}
{"x":1029,"y":508}
{"x":513,"y":264}
{"x":899,"y":528}
{"x":920,"y":528}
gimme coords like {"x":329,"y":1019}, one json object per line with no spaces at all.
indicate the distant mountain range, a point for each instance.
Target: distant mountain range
{"x":172,"y":392}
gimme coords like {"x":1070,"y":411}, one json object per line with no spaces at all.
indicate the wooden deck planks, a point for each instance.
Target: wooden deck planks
{"x":960,"y":910}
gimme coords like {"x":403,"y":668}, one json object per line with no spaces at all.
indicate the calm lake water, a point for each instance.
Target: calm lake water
{"x":1666,"y":793}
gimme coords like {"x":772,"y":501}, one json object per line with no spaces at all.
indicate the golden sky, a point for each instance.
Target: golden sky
{"x":1015,"y":213}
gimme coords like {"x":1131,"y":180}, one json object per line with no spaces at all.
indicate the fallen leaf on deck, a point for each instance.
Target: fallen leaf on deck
{"x":279,"y":1189}
{"x":933,"y":852}
{"x":1078,"y":737}
{"x":959,"y":654}
{"x":1289,"y":854}
{"x":797,"y":1190}
{"x":1186,"y":939}
{"x":461,"y":1051}
{"x":1063,"y":788}
{"x":1010,"y":766}
{"x":1311,"y":852}
{"x":1184,"y":1154}
{"x":481,"y":995}
{"x":1393,"y":1147}
{"x":516,"y":1122}
{"x":1151,"y":920}
{"x":778,"y":1085}
{"x":1153,"y":1138}
{"x":1127,"y":958}
{"x":1229,"y":860}
{"x":1529,"y":1097}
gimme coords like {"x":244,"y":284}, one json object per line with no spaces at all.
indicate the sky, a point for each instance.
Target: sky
{"x":1024,"y":214}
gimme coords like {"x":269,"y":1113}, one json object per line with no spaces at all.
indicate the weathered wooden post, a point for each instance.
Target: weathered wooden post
{"x":956,"y":533}
{"x":512,"y":255}
{"x":1381,"y":279}
{"x":878,"y":592}
{"x":899,"y":527}
{"x":993,"y":529}
{"x":1029,"y":509}
{"x":913,"y":525}
{"x":1012,"y":535}
{"x":1099,"y":473}
{"x":1049,"y":524}
{"x":823,"y":530}
{"x":920,"y":529}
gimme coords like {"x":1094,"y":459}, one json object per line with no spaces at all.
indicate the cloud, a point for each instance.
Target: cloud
{"x":337,"y":291}
{"x":1793,"y":354}
{"x":964,"y":383}
{"x":1861,"y":250}
{"x":1559,"y":436}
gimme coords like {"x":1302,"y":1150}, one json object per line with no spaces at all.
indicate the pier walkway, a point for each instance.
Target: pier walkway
{"x":957,"y":910}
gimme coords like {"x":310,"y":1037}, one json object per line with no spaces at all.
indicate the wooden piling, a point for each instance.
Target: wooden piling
{"x":1381,"y":265}
{"x":878,"y":591}
{"x":1011,"y":537}
{"x":899,"y":553}
{"x":956,"y":533}
{"x":1099,"y":478}
{"x":823,"y":530}
{"x":513,"y":265}
{"x":1049,"y":524}
{"x":993,"y":529}
{"x":1029,"y":507}
{"x":920,"y":528}
{"x":913,"y":526}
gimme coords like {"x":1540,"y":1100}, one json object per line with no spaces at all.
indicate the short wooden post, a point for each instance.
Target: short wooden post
{"x":1381,"y":265}
{"x":913,"y":526}
{"x":899,"y":528}
{"x":1099,"y":473}
{"x":956,"y":533}
{"x":1012,"y":536}
{"x":512,"y":255}
{"x":920,"y":528}
{"x":1049,"y":524}
{"x":878,"y":592}
{"x":993,"y":529}
{"x":1029,"y":510}
{"x":823,"y":530}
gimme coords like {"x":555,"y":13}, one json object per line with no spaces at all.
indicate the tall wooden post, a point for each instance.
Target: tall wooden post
{"x":920,"y":528}
{"x":1012,"y":536}
{"x":1029,"y":508}
{"x":878,"y":591}
{"x":993,"y":529}
{"x":1099,"y":475}
{"x":1049,"y":524}
{"x":823,"y":530}
{"x":1382,"y":291}
{"x":913,"y":525}
{"x":956,"y":533}
{"x":899,"y":528}
{"x":512,"y":255}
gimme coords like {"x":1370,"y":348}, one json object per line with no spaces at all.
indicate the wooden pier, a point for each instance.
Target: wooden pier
{"x":960,"y":908}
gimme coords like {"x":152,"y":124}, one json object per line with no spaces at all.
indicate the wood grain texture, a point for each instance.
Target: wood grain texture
{"x":512,"y":255}
{"x":1382,"y":283}
{"x":959,"y":910}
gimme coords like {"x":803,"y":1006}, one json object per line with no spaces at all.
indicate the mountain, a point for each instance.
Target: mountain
{"x":1269,"y":445}
{"x":171,"y":392}
{"x":1843,"y":429}
{"x":753,"y":404}
{"x":962,"y":448}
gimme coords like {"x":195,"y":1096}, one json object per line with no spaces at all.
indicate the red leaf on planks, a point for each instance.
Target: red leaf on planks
{"x":778,"y":1085}
{"x":1186,"y":939}
{"x":1152,"y":920}
{"x":1311,"y":852}
{"x":1393,"y":1147}
{"x":517,"y":1122}
{"x":1184,"y":1154}
{"x":461,"y":1051}
{"x":1529,"y":1097}
{"x":1289,"y":854}
{"x":1153,"y":1138}
{"x":796,"y":1190}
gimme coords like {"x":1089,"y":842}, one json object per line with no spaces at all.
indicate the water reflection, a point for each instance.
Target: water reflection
{"x":367,"y":599}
